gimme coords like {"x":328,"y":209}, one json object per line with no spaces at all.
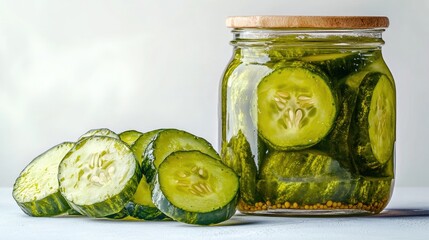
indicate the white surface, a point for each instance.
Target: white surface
{"x":406,"y":217}
{"x":69,"y":66}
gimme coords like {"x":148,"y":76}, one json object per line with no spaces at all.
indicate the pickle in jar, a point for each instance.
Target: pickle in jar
{"x":296,"y":107}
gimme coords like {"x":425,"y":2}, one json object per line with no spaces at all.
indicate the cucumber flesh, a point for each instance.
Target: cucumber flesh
{"x":36,"y":190}
{"x":99,"y":176}
{"x":99,"y":132}
{"x":130,"y":136}
{"x":168,"y":141}
{"x":296,"y":107}
{"x":382,"y":120}
{"x":141,"y":205}
{"x":374,"y":122}
{"x":195,"y":188}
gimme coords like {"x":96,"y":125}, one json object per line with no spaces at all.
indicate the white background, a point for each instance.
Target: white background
{"x":69,"y":66}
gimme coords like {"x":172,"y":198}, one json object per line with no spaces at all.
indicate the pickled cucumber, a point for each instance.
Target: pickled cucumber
{"x":336,"y":143}
{"x":374,"y":123}
{"x":337,"y":65}
{"x":296,"y":107}
{"x":238,"y":156}
{"x":306,"y":176}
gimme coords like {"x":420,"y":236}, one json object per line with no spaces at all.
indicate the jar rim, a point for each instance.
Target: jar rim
{"x":314,"y":22}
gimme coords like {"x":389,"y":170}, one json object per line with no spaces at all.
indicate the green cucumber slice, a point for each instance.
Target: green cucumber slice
{"x":98,"y":176}
{"x":130,"y":136}
{"x":306,"y":176}
{"x":122,"y":214}
{"x":99,"y":132}
{"x":195,"y":188}
{"x":337,"y":142}
{"x":378,"y":65}
{"x":36,"y":190}
{"x":238,"y":156}
{"x":369,"y":190}
{"x":374,"y":122}
{"x":340,"y":64}
{"x":168,"y":141}
{"x":296,"y":107}
{"x":141,"y":205}
{"x":142,"y":142}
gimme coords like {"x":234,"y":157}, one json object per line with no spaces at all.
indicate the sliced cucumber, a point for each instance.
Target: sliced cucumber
{"x":306,"y":176}
{"x":99,"y":176}
{"x":122,"y":214}
{"x":99,"y":132}
{"x":168,"y":141}
{"x":36,"y":190}
{"x":336,"y":143}
{"x":195,"y":188}
{"x":296,"y":107}
{"x":142,"y":142}
{"x":370,"y":190}
{"x":374,"y":122}
{"x":378,"y":65}
{"x":130,"y":136}
{"x":141,"y":205}
{"x":340,"y":64}
{"x":238,"y":156}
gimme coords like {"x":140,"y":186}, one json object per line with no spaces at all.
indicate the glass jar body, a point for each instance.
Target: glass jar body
{"x":308,"y":122}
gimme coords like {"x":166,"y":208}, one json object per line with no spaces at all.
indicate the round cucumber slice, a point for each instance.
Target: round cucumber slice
{"x":99,"y":176}
{"x":381,"y":120}
{"x":195,"y":188}
{"x":375,"y":121}
{"x":141,"y":205}
{"x":36,"y":190}
{"x":99,"y":132}
{"x":296,"y":107}
{"x":142,"y":142}
{"x":168,"y":141}
{"x":130,"y":136}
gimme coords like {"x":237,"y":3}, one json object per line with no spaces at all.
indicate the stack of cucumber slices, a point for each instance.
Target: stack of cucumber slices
{"x":158,"y":175}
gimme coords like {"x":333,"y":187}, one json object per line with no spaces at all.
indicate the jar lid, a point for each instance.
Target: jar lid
{"x":326,"y":22}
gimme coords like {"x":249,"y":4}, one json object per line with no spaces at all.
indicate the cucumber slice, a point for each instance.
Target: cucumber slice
{"x":374,"y":122}
{"x":141,"y":205}
{"x":168,"y":141}
{"x":378,"y":65}
{"x":195,"y":188}
{"x":36,"y":190}
{"x":336,"y":143}
{"x":72,"y":212}
{"x":238,"y":156}
{"x":296,"y":107}
{"x":306,"y":176}
{"x":142,"y":142}
{"x":99,"y":176}
{"x":370,"y":190}
{"x":340,"y":64}
{"x":99,"y":132}
{"x":130,"y":136}
{"x":122,"y":214}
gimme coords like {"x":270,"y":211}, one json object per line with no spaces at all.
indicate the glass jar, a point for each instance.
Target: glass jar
{"x":308,"y":115}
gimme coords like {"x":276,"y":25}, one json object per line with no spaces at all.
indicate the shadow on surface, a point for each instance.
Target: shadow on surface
{"x":404,"y":212}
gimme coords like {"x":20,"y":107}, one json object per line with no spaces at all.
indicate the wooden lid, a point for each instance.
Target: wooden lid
{"x":340,"y":22}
